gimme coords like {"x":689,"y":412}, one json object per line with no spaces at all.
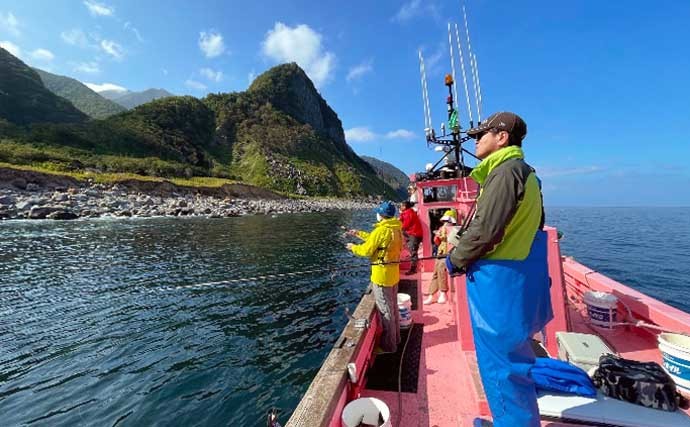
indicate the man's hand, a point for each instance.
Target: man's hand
{"x":452,"y":269}
{"x":349,"y":246}
{"x":352,"y":232}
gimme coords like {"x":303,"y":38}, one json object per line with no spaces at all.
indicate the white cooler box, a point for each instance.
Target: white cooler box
{"x":582,"y":350}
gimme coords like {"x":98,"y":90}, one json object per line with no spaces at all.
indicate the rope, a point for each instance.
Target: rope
{"x":402,"y":358}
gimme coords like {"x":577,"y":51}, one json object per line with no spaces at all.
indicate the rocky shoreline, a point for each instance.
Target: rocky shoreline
{"x":31,"y":195}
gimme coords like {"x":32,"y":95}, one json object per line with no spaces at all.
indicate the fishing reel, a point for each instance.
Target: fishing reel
{"x":272,"y":418}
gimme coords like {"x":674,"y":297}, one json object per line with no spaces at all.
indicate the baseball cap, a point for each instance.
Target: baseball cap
{"x":504,"y":120}
{"x":386,"y":209}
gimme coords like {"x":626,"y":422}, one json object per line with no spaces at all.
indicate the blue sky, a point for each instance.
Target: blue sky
{"x":603,"y":86}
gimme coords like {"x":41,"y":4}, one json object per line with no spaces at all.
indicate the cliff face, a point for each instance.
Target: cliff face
{"x":289,"y":89}
{"x":390,"y":175}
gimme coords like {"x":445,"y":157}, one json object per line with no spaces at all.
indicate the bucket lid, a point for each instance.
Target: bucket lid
{"x":600,"y":299}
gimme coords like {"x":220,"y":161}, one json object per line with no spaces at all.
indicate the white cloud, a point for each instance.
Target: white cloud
{"x":414,"y":8}
{"x":128,"y":26}
{"x":75,"y":37}
{"x":214,"y":76}
{"x":113,"y":49}
{"x":400,"y":134}
{"x":11,"y":48}
{"x":251,"y":76}
{"x":10,"y":24}
{"x":408,"y":11}
{"x":211,"y":43}
{"x":99,"y":9}
{"x":358,"y":71}
{"x":193,"y":84}
{"x":360,"y":134}
{"x":433,"y":59}
{"x":550,"y":172}
{"x":105,"y":86}
{"x":302,"y":45}
{"x":42,"y":55}
{"x":363,"y":134}
{"x":88,"y":68}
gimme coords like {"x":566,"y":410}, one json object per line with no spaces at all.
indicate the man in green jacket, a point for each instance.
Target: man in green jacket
{"x":504,"y":253}
{"x":383,"y":246}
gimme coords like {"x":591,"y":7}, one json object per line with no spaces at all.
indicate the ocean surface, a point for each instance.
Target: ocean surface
{"x":100,"y":324}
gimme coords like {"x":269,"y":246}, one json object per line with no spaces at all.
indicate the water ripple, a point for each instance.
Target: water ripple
{"x":93,"y":309}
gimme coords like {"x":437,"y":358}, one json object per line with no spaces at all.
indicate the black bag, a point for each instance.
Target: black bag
{"x":643,"y":383}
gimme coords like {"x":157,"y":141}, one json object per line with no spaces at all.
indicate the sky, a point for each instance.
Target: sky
{"x":603,"y":86}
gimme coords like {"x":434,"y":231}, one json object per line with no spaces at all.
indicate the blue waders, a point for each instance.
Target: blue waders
{"x":509,"y":302}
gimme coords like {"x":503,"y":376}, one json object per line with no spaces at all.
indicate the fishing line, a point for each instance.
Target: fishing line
{"x":331,"y":270}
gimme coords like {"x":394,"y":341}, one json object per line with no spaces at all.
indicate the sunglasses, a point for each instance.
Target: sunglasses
{"x":481,"y":134}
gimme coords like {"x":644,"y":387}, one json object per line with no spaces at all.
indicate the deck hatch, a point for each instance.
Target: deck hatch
{"x":383,"y":375}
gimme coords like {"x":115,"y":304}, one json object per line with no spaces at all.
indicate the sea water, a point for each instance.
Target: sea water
{"x":99,"y":327}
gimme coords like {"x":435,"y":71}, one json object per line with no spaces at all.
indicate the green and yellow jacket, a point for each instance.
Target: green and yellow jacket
{"x":382,"y":245}
{"x":509,"y":210}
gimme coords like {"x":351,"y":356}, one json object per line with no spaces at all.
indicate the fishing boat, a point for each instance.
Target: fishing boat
{"x":433,"y":379}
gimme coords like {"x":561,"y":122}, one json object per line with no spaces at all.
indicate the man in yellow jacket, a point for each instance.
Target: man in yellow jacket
{"x":383,"y":246}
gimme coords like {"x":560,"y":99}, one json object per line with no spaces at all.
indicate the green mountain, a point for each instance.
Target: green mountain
{"x":280,"y":134}
{"x":283,"y":135}
{"x":25,"y":100}
{"x":391,"y":175}
{"x":85,"y":99}
{"x":130,"y":99}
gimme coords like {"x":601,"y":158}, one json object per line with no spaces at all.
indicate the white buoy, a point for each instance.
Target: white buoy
{"x":367,"y":410}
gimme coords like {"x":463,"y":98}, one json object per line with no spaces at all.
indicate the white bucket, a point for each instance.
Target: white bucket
{"x":675,"y":352}
{"x":368,"y":410}
{"x":601,"y":308}
{"x":405,"y":309}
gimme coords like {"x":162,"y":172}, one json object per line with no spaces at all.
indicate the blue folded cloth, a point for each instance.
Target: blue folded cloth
{"x":556,"y":375}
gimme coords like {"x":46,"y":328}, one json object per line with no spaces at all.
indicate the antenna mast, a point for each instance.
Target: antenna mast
{"x":464,"y":78}
{"x":472,"y":65}
{"x":428,"y":127}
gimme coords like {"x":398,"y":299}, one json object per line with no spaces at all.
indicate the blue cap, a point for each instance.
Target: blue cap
{"x":386,"y":209}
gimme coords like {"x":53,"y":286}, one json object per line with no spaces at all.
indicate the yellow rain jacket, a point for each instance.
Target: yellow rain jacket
{"x":383,"y":244}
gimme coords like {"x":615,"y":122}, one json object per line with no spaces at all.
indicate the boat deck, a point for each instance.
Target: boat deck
{"x":449,"y":389}
{"x":439,"y":382}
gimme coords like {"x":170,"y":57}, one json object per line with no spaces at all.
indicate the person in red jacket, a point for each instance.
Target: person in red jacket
{"x":412,"y":230}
